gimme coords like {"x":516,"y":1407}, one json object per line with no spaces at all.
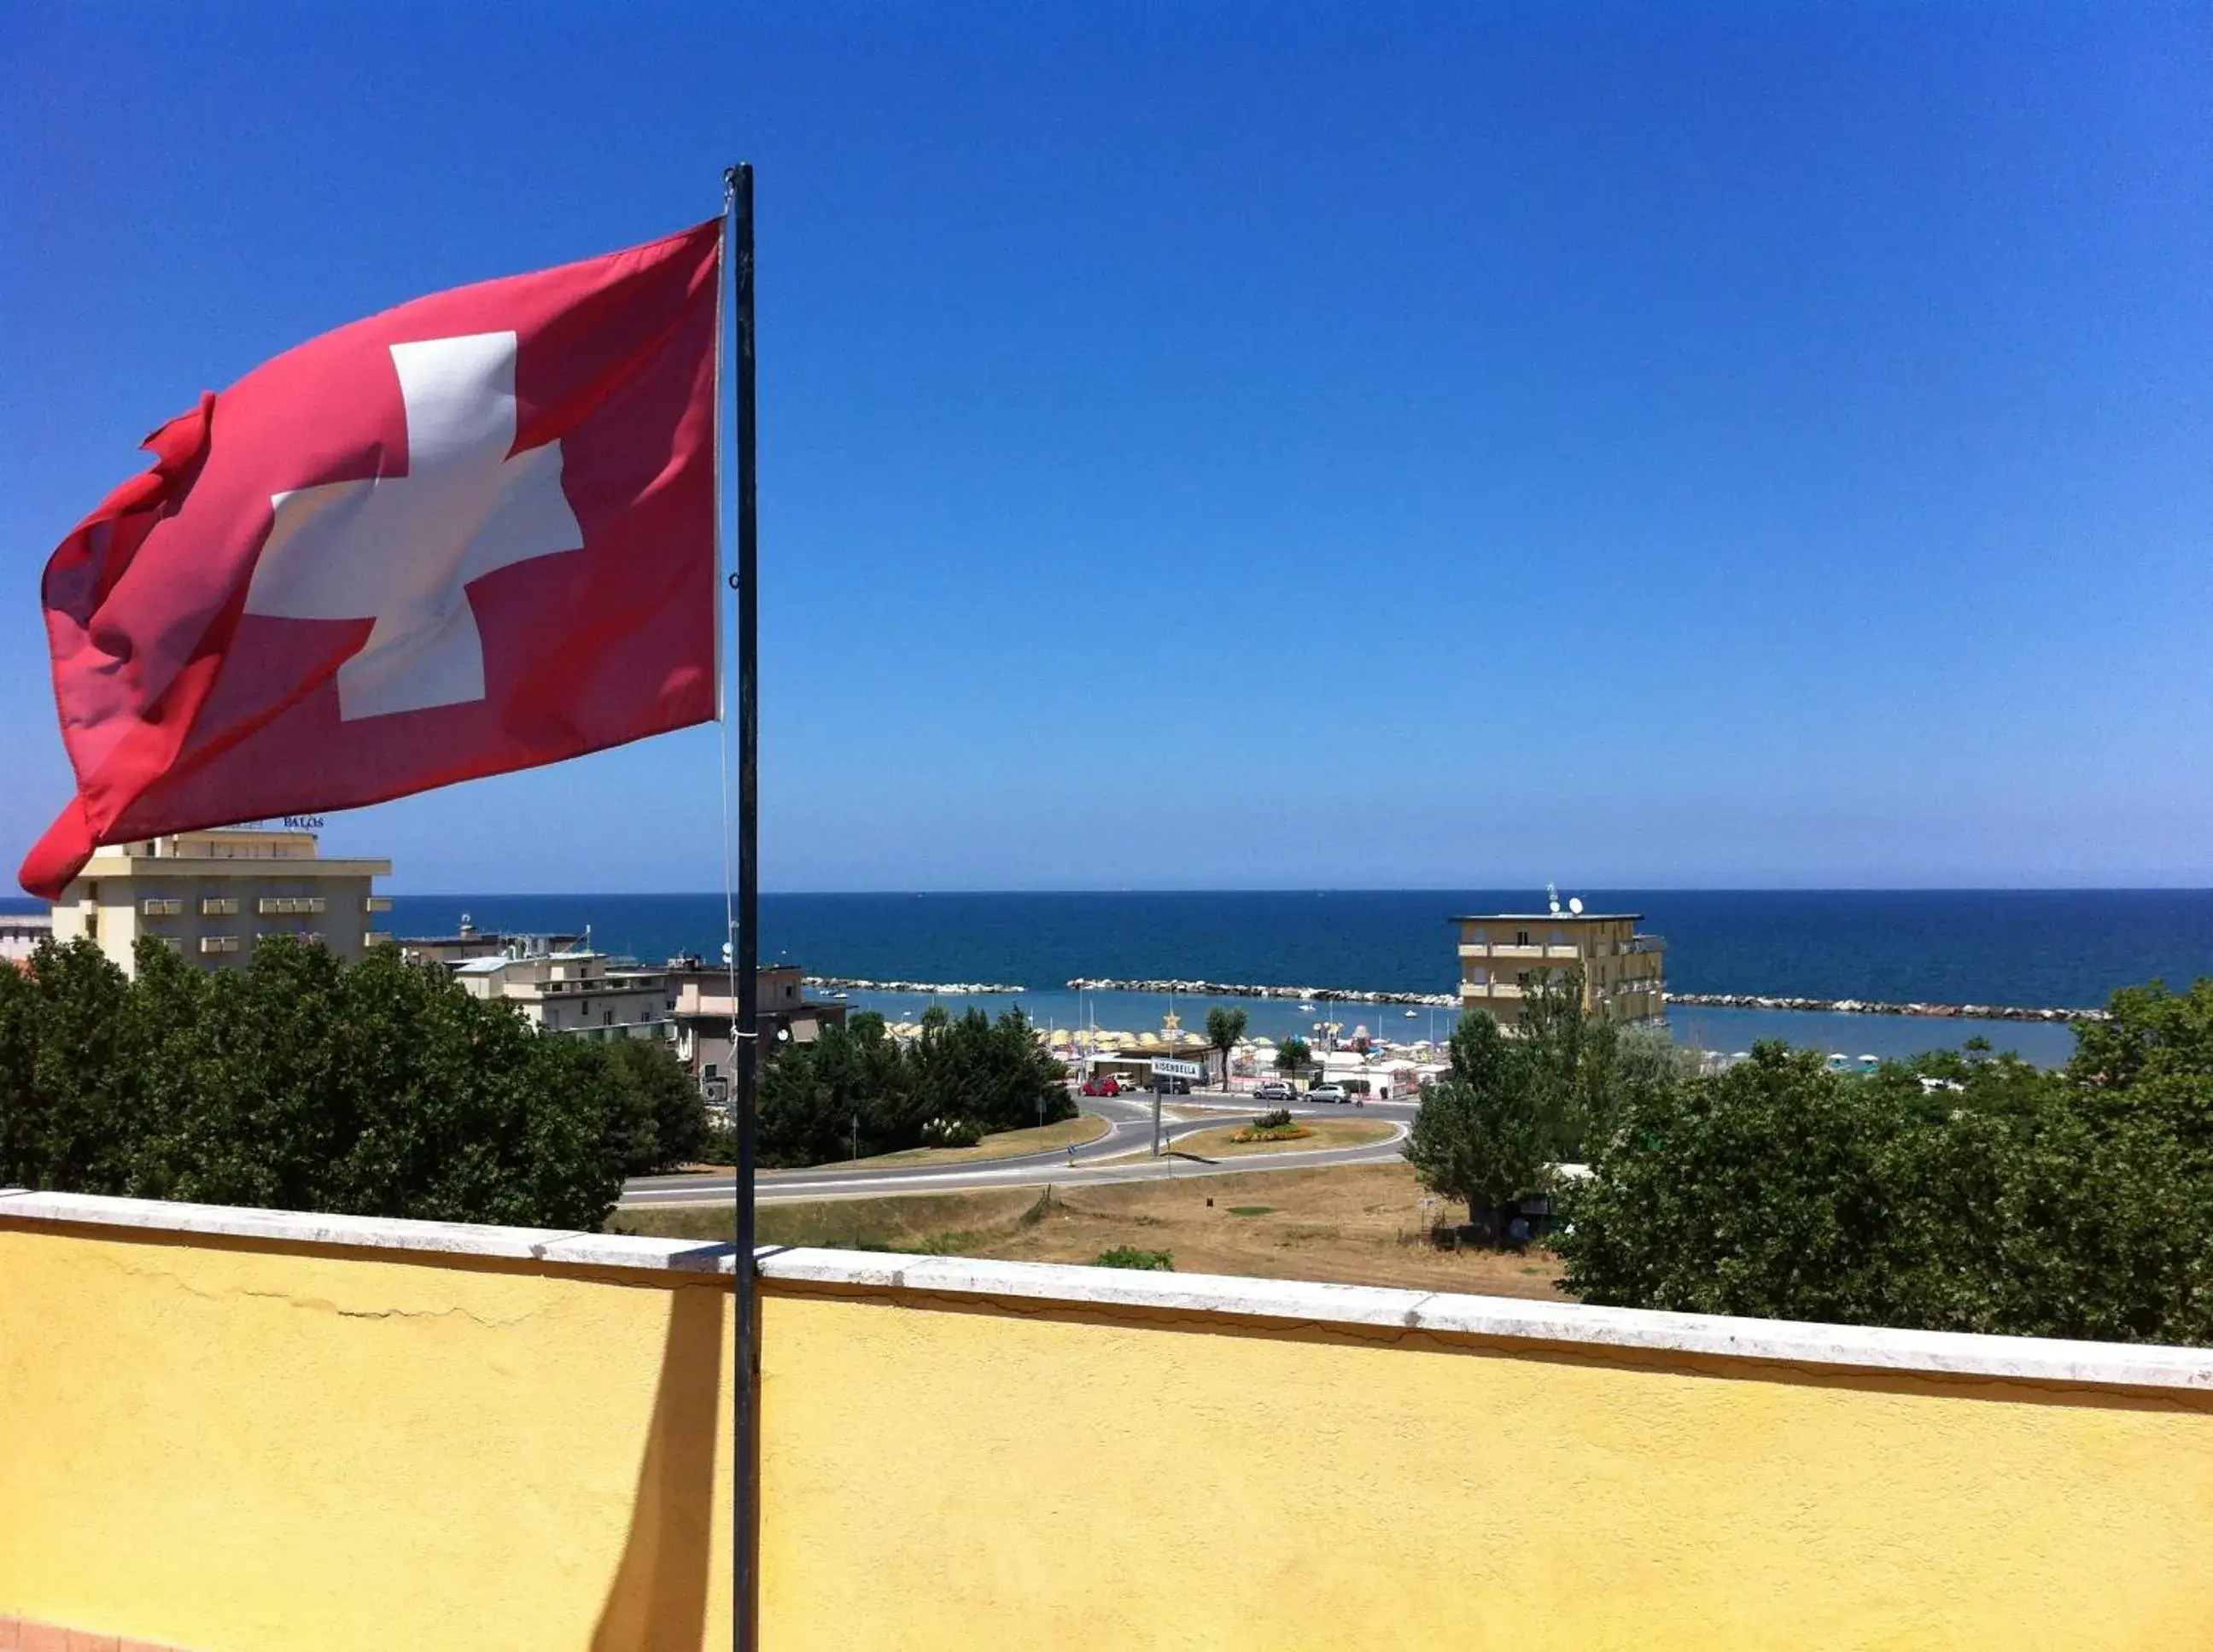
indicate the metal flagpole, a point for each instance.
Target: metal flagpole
{"x":745,"y":1433}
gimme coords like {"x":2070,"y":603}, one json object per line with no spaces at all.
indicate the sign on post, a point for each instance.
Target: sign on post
{"x":1167,"y":1069}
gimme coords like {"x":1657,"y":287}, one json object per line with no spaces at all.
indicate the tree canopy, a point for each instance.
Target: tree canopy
{"x":300,"y":1082}
{"x":1954,"y":1192}
{"x":1224,"y":1028}
{"x":857,"y":1088}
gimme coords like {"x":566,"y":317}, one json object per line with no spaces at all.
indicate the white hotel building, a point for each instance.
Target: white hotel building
{"x":585,"y":993}
{"x":212,"y":896}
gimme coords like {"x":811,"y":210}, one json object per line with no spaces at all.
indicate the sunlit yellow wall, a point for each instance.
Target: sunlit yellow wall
{"x":232,"y":1450}
{"x":943,"y":1479}
{"x":235,"y":1449}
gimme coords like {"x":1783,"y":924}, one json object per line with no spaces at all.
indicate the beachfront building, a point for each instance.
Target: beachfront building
{"x":468,"y":941}
{"x":1503,"y":953}
{"x":704,"y":1009}
{"x":585,"y":993}
{"x":211,"y":897}
{"x":21,"y":933}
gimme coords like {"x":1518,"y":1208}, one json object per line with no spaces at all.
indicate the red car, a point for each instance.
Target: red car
{"x":1102,"y":1087}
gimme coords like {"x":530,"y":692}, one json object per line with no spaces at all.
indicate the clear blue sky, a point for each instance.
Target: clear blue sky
{"x":1282,"y":446}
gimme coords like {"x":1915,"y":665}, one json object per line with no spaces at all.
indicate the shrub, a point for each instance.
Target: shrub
{"x":951,"y":1132}
{"x":1129,"y":1256}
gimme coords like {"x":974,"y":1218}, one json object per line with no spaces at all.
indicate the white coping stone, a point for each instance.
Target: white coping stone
{"x":1942,"y":1353}
{"x":373,"y":1233}
{"x":1938,"y":1353}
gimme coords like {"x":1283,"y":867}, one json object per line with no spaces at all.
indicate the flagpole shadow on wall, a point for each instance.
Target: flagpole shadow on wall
{"x":659,"y":1598}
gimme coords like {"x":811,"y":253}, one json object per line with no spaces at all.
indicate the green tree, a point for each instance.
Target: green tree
{"x":959,"y":1077}
{"x":1954,"y":1192}
{"x":1224,"y":1028}
{"x":1487,"y":1129}
{"x":300,"y":1083}
{"x":1292,"y":1057}
{"x":665,"y":1117}
{"x":1572,"y":1056}
{"x":74,"y":1040}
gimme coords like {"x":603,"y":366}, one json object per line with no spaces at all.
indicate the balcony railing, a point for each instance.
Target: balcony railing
{"x":161,"y":907}
{"x":377,"y":904}
{"x":219,"y":906}
{"x":1528,"y":952}
{"x":212,"y":943}
{"x":288,"y":906}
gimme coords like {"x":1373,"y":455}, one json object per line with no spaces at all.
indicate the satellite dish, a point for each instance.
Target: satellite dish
{"x":1551,"y":898}
{"x":726,"y":950}
{"x":1575,"y":904}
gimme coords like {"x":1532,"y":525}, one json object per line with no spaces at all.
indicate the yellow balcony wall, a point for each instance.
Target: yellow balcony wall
{"x":272,"y":1432}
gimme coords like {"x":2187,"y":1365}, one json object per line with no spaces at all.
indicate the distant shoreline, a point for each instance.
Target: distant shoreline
{"x":1448,"y":1001}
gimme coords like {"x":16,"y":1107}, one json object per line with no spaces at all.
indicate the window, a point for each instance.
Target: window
{"x":606,"y":1018}
{"x":1521,"y":937}
{"x":1480,"y":977}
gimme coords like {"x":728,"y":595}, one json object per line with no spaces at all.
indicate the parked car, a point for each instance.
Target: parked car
{"x":1328,"y":1093}
{"x":1103,"y":1085}
{"x":1172,"y":1086}
{"x":1274,"y":1089}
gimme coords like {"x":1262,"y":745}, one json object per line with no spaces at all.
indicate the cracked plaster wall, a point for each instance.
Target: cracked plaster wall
{"x":238,"y":1449}
{"x":235,"y":1448}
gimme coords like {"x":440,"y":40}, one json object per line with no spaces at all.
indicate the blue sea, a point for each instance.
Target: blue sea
{"x":2035,"y":947}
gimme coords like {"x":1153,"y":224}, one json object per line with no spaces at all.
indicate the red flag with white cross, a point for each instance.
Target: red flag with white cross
{"x":471,"y":534}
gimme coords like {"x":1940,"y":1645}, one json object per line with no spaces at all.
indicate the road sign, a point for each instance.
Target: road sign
{"x":1167,"y":1069}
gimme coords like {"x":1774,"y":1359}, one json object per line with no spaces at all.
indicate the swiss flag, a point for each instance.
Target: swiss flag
{"x":474,"y":533}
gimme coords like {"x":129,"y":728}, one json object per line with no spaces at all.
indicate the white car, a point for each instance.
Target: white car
{"x":1328,"y":1093}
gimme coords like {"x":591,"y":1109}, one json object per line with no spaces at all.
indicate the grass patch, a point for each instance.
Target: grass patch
{"x":1007,"y":1144}
{"x":1251,"y":1209}
{"x":1233,"y":1141}
{"x":927,"y":1223}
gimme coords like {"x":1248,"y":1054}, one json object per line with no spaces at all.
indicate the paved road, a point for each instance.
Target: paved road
{"x":1130,"y":1131}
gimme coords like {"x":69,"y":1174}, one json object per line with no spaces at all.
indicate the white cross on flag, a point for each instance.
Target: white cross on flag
{"x":471,"y":535}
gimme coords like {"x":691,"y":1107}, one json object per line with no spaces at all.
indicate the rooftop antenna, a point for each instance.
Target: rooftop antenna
{"x":1551,"y":898}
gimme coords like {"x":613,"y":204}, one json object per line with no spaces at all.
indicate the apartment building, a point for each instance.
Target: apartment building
{"x":585,"y":993}
{"x":21,"y":933}
{"x":212,"y":896}
{"x":705,"y":1013}
{"x":1503,"y":953}
{"x":469,"y":942}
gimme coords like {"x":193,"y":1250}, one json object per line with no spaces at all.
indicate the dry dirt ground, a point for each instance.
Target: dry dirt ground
{"x":1353,"y":1224}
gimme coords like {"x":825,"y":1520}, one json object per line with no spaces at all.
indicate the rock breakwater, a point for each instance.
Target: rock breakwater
{"x":1981,"y":1012}
{"x":1300,"y":994}
{"x":1203,"y":988}
{"x":946,"y":989}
